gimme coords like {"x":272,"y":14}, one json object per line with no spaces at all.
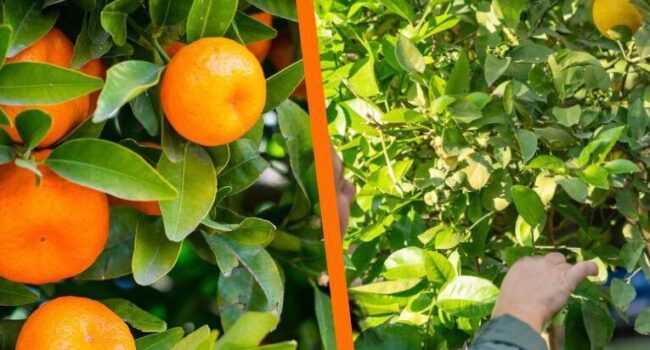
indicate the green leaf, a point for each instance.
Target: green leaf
{"x":9,"y":330}
{"x":547,"y":162}
{"x":622,"y":294}
{"x":439,"y":269}
{"x":153,"y":254}
{"x":242,"y":336}
{"x":575,"y":188}
{"x":7,"y":150}
{"x":110,"y":168}
{"x":114,"y":17}
{"x":510,"y":10}
{"x":196,"y":180}
{"x":29,"y":83}
{"x":387,"y":287}
{"x":363,"y":79}
{"x":258,"y":263}
{"x":15,"y":294}
{"x":29,"y":22}
{"x":282,"y":84}
{"x":596,"y":176}
{"x":478,"y":171}
{"x":637,"y":119}
{"x":201,"y":339}
{"x":621,"y":166}
{"x":245,"y":166}
{"x":467,"y":296}
{"x":568,"y":116}
{"x":143,"y":110}
{"x":92,"y":42}
{"x":627,"y":203}
{"x":280,"y":8}
{"x":642,"y":323}
{"x":169,"y":12}
{"x":251,"y":231}
{"x":598,"y":323}
{"x":459,"y":79}
{"x":527,"y":143}
{"x":160,"y":341}
{"x":115,"y":259}
{"x":631,"y":253}
{"x":325,"y":319}
{"x":495,"y":67}
{"x":401,"y":8}
{"x":135,"y":316}
{"x":6,"y":32}
{"x":406,"y":263}
{"x":250,"y":30}
{"x":210,"y":18}
{"x":295,"y":126}
{"x":408,"y":56}
{"x":124,"y":82}
{"x":529,"y":205}
{"x":32,"y":126}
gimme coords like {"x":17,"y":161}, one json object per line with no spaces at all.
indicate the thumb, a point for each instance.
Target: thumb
{"x":578,"y":272}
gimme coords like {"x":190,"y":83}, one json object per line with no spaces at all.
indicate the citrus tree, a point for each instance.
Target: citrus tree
{"x":478,"y":132}
{"x":156,"y":168}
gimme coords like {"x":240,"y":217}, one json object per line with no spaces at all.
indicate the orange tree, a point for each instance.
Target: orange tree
{"x":154,"y":165}
{"x":481,"y":131}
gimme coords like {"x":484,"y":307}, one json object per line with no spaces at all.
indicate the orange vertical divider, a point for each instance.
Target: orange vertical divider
{"x":325,"y":175}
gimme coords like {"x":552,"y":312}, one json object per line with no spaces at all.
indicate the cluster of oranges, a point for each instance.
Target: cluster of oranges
{"x":212,"y":93}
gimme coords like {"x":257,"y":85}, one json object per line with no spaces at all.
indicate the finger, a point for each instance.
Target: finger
{"x":555,"y":258}
{"x":578,"y":272}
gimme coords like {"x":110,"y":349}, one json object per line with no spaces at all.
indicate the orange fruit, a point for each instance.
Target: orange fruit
{"x":95,"y":68}
{"x":74,"y":323}
{"x":261,"y":48}
{"x":56,"y":49}
{"x":609,"y":14}
{"x":50,"y":231}
{"x":213,"y":91}
{"x":283,"y":53}
{"x":148,"y":208}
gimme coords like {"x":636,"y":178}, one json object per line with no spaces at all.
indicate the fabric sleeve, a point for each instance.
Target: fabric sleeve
{"x":507,"y":333}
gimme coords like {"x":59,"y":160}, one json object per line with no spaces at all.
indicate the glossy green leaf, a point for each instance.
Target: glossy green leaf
{"x":400,"y":7}
{"x":325,"y":319}
{"x":114,"y":17}
{"x":245,"y":166}
{"x":115,"y":259}
{"x":134,"y":316}
{"x":281,"y":8}
{"x":169,"y":12}
{"x":29,"y":22}
{"x":160,"y":341}
{"x":241,"y":335}
{"x":110,"y":168}
{"x":153,"y":255}
{"x":408,"y":56}
{"x":32,"y":126}
{"x":282,"y":84}
{"x":15,"y":294}
{"x":406,"y":263}
{"x":196,"y":180}
{"x":529,"y":205}
{"x":467,"y":296}
{"x":251,"y":30}
{"x":124,"y":82}
{"x":6,"y":33}
{"x":209,"y":18}
{"x":642,"y":323}
{"x":458,"y":82}
{"x":29,"y":83}
{"x":200,"y":339}
{"x":622,"y":294}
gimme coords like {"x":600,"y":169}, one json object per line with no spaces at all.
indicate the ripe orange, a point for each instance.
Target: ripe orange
{"x":53,"y":48}
{"x":283,"y":53}
{"x":261,"y":48}
{"x":74,"y":323}
{"x":213,"y":91}
{"x":48,"y":232}
{"x":609,"y":14}
{"x":95,"y":68}
{"x":148,"y":208}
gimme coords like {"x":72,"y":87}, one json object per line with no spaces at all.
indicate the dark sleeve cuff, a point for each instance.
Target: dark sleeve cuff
{"x":508,"y":330}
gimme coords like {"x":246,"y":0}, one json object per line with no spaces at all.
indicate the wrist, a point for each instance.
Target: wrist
{"x":528,"y":314}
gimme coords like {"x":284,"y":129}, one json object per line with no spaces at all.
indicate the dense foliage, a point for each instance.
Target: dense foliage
{"x":479,"y":132}
{"x":239,"y":232}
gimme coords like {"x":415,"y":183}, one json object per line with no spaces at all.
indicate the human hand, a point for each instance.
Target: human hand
{"x":536,"y":288}
{"x":345,"y":192}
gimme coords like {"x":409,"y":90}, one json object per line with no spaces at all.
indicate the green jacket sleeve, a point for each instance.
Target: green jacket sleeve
{"x":507,"y":333}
